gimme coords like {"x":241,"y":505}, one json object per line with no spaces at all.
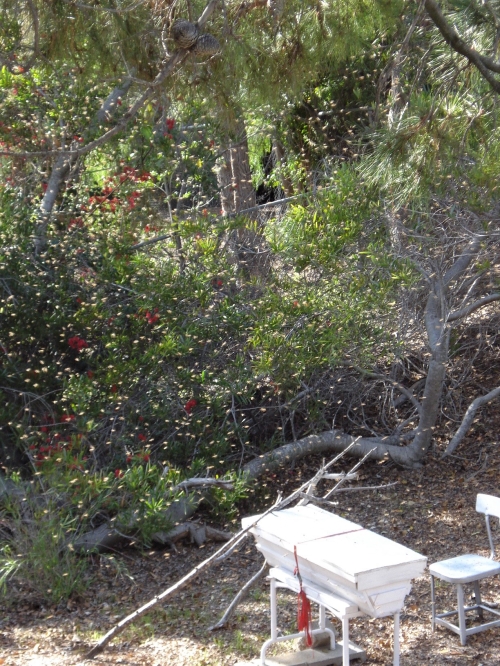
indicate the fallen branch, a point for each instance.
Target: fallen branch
{"x":468,"y":418}
{"x":198,"y":533}
{"x":195,"y":482}
{"x":107,"y":536}
{"x":239,"y":597}
{"x":171,"y":591}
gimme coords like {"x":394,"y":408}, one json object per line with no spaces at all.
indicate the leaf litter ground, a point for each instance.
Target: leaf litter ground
{"x":430,"y":510}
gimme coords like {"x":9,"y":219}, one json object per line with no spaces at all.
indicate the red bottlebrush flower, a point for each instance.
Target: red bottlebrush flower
{"x":295,"y":304}
{"x":145,"y":176}
{"x":79,"y":300}
{"x":118,"y":473}
{"x":146,"y":457}
{"x":152,"y":318}
{"x":114,"y":388}
{"x":170,"y":123}
{"x":211,"y":143}
{"x":141,"y":437}
{"x":44,"y":186}
{"x":204,"y":212}
{"x":189,"y":405}
{"x":44,"y":429}
{"x":90,"y":374}
{"x":77,"y":343}
{"x":129,"y":459}
{"x":141,"y":418}
{"x":119,"y":101}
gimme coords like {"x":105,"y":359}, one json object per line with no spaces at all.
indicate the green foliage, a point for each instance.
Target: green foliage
{"x":136,"y":350}
{"x":36,"y":553}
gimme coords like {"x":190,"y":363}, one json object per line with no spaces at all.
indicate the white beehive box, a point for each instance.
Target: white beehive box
{"x":338,"y":555}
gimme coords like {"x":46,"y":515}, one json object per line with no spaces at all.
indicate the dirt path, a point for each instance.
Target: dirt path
{"x":431,"y":511}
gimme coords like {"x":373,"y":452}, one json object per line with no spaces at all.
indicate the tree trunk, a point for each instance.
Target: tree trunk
{"x":237,"y":194}
{"x":58,"y":175}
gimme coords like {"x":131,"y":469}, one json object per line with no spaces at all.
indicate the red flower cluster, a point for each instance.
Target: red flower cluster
{"x":190,"y":404}
{"x":129,"y":173}
{"x":132,"y":199}
{"x":76,"y":222}
{"x":152,"y":318}
{"x":141,"y":457}
{"x":77,"y":343}
{"x":118,"y":473}
{"x":170,"y":123}
{"x":148,"y":228}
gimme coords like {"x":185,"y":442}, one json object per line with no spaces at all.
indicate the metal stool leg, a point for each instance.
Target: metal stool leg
{"x":433,"y":604}
{"x":461,"y":613}
{"x":477,"y":600}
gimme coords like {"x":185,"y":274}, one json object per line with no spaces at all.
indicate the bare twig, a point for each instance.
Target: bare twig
{"x":468,"y":418}
{"x":241,"y":595}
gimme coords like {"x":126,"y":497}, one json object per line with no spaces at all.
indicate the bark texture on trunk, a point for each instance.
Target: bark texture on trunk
{"x":237,"y":193}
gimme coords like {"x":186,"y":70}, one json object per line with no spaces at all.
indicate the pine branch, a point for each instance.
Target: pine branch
{"x":484,"y":64}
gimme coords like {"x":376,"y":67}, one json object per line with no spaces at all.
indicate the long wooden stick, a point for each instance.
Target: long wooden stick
{"x":280,"y":504}
{"x":241,"y":594}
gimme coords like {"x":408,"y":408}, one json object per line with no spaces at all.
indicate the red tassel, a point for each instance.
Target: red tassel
{"x":304,"y":616}
{"x":303,"y":605}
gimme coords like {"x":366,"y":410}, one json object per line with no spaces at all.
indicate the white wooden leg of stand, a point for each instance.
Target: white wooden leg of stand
{"x":274,"y":621}
{"x":274,"y":611}
{"x":396,"y":639}
{"x":322,"y":617}
{"x":322,"y":626}
{"x":345,"y":641}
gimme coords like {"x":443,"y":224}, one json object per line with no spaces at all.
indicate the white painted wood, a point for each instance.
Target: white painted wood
{"x":338,"y":555}
{"x":338,"y":605}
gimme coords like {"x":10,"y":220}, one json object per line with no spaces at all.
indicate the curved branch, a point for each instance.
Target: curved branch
{"x":469,"y":309}
{"x":377,"y":448}
{"x":468,"y":418}
{"x":452,"y":38}
{"x":462,"y":262}
{"x":177,"y":58}
{"x":241,"y":595}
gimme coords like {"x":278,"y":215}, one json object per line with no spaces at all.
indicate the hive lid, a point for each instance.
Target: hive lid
{"x":336,"y":544}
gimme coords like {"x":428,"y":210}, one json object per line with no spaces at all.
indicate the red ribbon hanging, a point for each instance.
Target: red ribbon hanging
{"x":303,"y":605}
